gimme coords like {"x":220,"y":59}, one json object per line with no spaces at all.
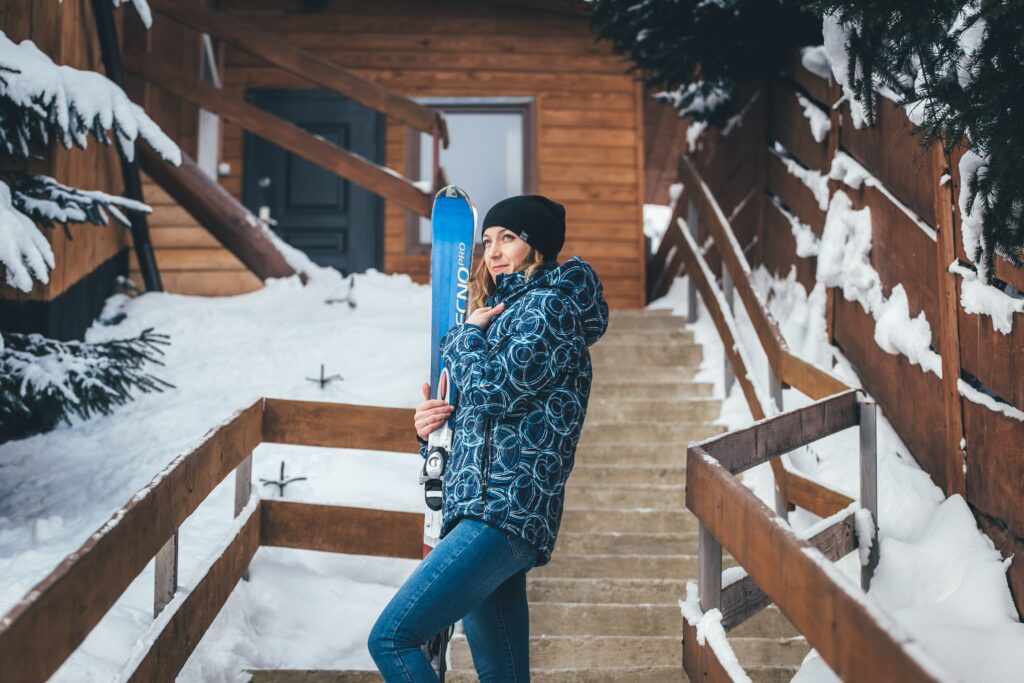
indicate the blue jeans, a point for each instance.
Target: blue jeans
{"x":477,"y":573}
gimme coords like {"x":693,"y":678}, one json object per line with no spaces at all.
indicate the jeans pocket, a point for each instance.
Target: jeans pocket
{"x":521,"y":550}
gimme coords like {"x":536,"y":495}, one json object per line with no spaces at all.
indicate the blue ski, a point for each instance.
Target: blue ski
{"x":453,"y":220}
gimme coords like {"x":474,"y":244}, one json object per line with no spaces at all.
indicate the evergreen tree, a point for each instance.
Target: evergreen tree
{"x":703,"y":49}
{"x":41,"y":380}
{"x":959,"y":69}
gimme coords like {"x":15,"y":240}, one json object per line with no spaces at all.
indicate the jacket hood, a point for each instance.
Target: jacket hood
{"x":575,"y":278}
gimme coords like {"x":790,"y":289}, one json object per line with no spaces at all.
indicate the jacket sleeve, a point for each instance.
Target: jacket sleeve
{"x":423,"y":447}
{"x":497,"y":379}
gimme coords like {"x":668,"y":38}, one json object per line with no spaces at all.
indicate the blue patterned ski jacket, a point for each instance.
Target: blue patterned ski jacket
{"x":523,"y":390}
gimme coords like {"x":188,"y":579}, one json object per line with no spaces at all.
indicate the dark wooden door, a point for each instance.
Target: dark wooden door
{"x":335,"y":222}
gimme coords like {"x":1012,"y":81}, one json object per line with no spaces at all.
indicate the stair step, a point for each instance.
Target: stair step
{"x":679,"y":434}
{"x":629,"y":472}
{"x":605,"y":353}
{"x":683,"y":336}
{"x":628,"y":521}
{"x":616,"y":409}
{"x":565,"y":565}
{"x":613,"y":543}
{"x":652,"y":391}
{"x":640,"y":454}
{"x":661,"y":322}
{"x":617,"y":374}
{"x":628,"y":497}
{"x":600,"y":619}
{"x":610,"y":674}
{"x":621,"y":591}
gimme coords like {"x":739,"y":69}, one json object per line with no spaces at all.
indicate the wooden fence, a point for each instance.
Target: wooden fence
{"x":966,"y":447}
{"x":52,"y":620}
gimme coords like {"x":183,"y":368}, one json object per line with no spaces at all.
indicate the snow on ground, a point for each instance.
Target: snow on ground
{"x":300,"y":608}
{"x":939,"y":577}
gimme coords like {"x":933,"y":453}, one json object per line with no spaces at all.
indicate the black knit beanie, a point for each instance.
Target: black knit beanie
{"x":537,"y":220}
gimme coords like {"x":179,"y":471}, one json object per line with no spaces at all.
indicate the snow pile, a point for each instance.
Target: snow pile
{"x":709,"y":631}
{"x":815,"y":59}
{"x":817,"y":119}
{"x":656,"y":218}
{"x":25,"y":252}
{"x":813,"y":180}
{"x":972,"y":166}
{"x":142,"y":7}
{"x":300,"y":609}
{"x":807,"y":243}
{"x":981,"y":299}
{"x":835,"y":40}
{"x":939,"y":578}
{"x":77,"y":103}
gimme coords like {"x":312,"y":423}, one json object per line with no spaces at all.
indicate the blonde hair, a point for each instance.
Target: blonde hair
{"x":481,"y":284}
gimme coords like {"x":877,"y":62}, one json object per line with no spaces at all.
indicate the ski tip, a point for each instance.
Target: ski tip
{"x":452,"y":192}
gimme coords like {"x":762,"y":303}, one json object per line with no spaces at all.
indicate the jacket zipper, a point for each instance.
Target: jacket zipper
{"x":485,"y":464}
{"x":485,"y":458}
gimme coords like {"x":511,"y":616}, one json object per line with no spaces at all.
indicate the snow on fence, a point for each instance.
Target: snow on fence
{"x":969,"y":376}
{"x":46,"y":626}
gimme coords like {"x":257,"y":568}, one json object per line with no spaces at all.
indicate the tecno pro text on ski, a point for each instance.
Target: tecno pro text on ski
{"x":454,"y":226}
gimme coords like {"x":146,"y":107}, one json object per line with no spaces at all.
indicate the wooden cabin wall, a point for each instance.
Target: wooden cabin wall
{"x":589,"y":115}
{"x":85,"y":265}
{"x":664,"y":140}
{"x":190,"y":259}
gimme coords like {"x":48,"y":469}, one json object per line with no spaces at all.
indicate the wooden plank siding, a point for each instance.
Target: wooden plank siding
{"x":589,"y":121}
{"x":66,"y":32}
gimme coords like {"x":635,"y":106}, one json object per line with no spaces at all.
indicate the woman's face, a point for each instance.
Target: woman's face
{"x":504,"y":251}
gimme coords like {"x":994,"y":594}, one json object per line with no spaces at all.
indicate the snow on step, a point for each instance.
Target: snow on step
{"x":630,"y":471}
{"x":613,"y":543}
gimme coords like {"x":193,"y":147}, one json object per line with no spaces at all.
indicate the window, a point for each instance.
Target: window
{"x":491,"y":154}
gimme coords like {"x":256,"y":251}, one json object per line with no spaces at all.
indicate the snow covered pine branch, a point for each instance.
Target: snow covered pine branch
{"x":40,"y":100}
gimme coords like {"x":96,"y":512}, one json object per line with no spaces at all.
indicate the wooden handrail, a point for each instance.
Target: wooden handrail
{"x":792,"y":487}
{"x":218,"y":211}
{"x":308,"y":66}
{"x":311,"y":147}
{"x":790,"y":369}
{"x":784,"y":568}
{"x":46,"y":626}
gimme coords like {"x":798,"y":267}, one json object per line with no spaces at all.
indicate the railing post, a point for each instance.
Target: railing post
{"x":730,"y":376}
{"x":243,"y":491}
{"x":869,"y":480}
{"x":709,"y":570}
{"x":775,"y":389}
{"x":165,"y":582}
{"x":693,"y":223}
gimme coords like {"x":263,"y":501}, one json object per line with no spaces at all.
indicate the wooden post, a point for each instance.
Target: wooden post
{"x":109,"y":47}
{"x":869,"y":480}
{"x":165,"y":583}
{"x":709,"y":570}
{"x":243,"y":491}
{"x":781,"y":504}
{"x":693,"y":223}
{"x":949,"y":327}
{"x":730,"y":376}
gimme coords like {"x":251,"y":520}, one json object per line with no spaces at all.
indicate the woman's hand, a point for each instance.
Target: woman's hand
{"x":481,"y":317}
{"x":430,"y":414}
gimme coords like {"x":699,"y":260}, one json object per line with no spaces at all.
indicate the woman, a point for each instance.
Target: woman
{"x":521,"y":366}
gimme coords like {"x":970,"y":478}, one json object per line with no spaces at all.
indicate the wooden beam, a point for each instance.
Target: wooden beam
{"x":949,"y":328}
{"x":217,"y":211}
{"x":336,"y":529}
{"x":383,"y":181}
{"x":743,"y":599}
{"x":304,"y":64}
{"x":717,"y":225}
{"x":837,"y":622}
{"x":339,"y":425}
{"x":742,"y":449}
{"x":813,"y":497}
{"x":809,"y":379}
{"x":67,"y":604}
{"x":186,"y":627}
{"x":700,"y":662}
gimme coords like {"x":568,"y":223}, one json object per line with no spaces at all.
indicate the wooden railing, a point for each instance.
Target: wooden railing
{"x":855,"y":638}
{"x":43,"y":629}
{"x":679,"y":252}
{"x":379,"y":179}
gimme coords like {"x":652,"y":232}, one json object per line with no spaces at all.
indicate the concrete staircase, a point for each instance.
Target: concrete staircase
{"x":606,"y":607}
